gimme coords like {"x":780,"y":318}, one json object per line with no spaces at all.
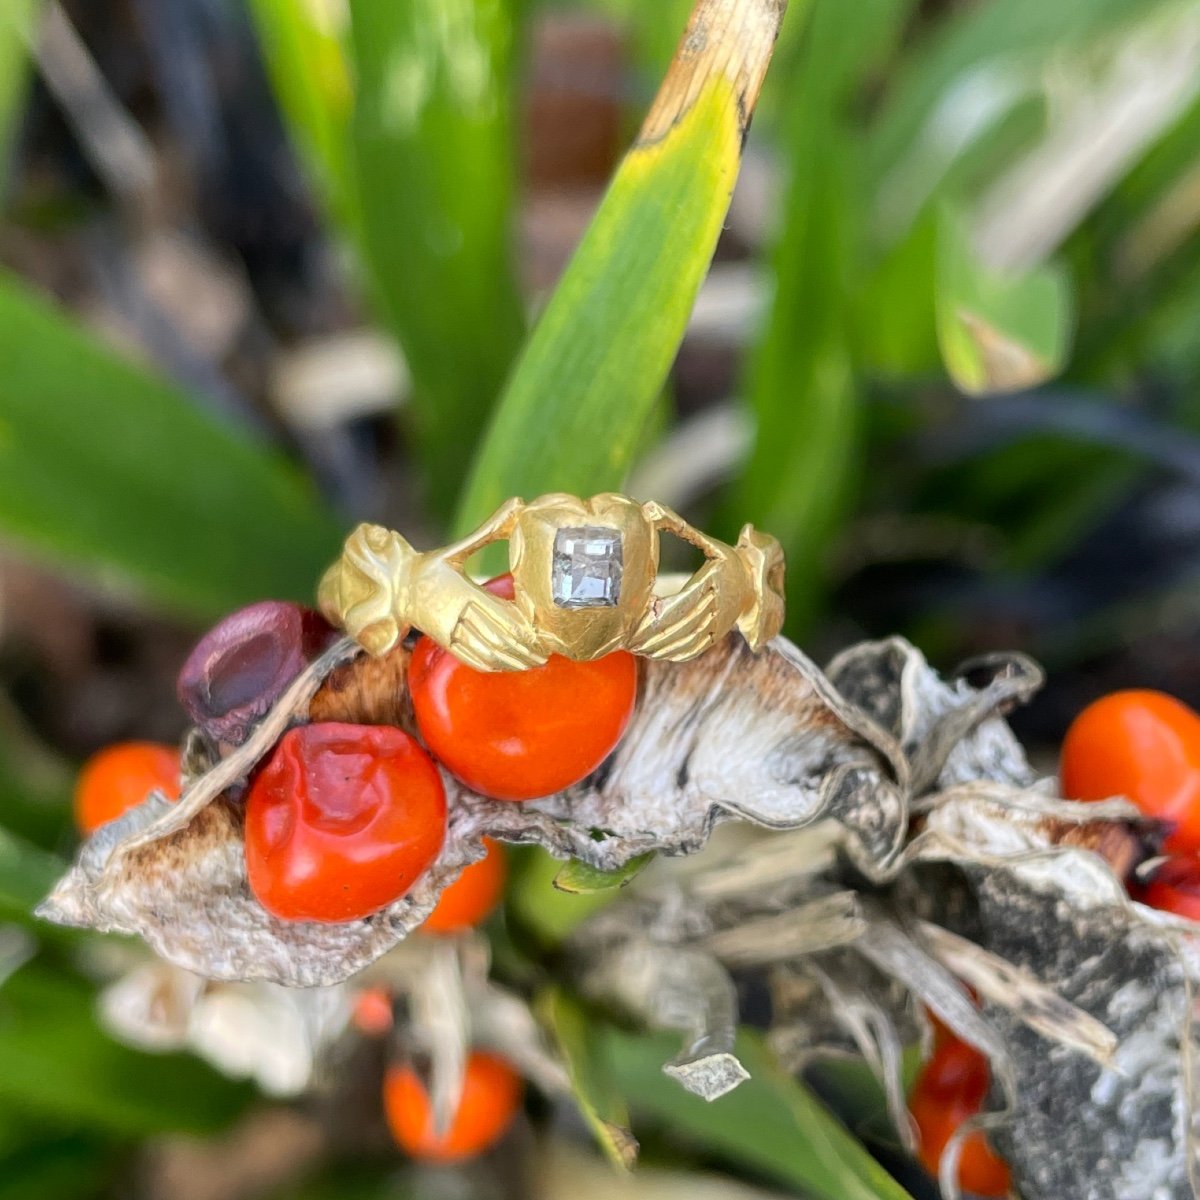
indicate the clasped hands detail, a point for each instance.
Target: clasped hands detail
{"x":381,"y":587}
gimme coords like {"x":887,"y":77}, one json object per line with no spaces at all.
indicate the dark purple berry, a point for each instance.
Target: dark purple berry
{"x":241,"y":666}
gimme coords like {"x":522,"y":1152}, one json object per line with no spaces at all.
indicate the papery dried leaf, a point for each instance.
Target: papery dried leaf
{"x":439,"y":1029}
{"x":867,"y":1014}
{"x":1080,"y":1129}
{"x":676,"y":987}
{"x":997,"y":981}
{"x":731,"y":735}
{"x":504,"y":1023}
{"x":818,"y":924}
{"x":952,"y":731}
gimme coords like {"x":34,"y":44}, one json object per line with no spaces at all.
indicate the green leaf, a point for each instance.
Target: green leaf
{"x":771,"y":1123}
{"x":58,"y":1165}
{"x":578,"y":878}
{"x":104,"y":464}
{"x":17,"y":22}
{"x":433,"y":161}
{"x":586,"y":383}
{"x":306,"y":60}
{"x":600,"y":1103}
{"x":26,"y":875}
{"x":541,"y":909}
{"x":803,"y":387}
{"x":1007,"y":45}
{"x":59,"y":1064}
{"x":997,"y":332}
{"x":35,"y":788}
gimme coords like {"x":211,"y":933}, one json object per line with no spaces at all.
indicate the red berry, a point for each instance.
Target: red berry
{"x":951,"y":1088}
{"x":1175,"y":888}
{"x":521,"y":734}
{"x":490,"y":1099}
{"x":341,"y":821}
{"x":120,"y":777}
{"x":472,"y":896}
{"x":241,"y":666}
{"x":1146,"y":746}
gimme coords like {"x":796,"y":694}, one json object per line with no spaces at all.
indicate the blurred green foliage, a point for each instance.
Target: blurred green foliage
{"x":894,"y":129}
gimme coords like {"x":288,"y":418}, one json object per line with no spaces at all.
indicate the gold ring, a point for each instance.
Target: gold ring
{"x":585,"y":580}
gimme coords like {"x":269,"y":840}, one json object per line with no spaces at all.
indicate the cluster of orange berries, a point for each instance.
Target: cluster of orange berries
{"x":342,"y":819}
{"x":1140,"y":744}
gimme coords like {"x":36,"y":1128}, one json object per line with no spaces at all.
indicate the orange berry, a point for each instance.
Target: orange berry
{"x":1144,"y":745}
{"x":951,"y":1088}
{"x":517,"y":735}
{"x":120,"y":777}
{"x":471,"y":897}
{"x":490,"y":1099}
{"x":342,"y":820}
{"x":372,"y":1014}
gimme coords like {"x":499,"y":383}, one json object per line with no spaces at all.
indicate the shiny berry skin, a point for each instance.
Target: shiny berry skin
{"x":951,"y":1088}
{"x":517,"y":735}
{"x":1144,"y":745}
{"x":341,"y":820}
{"x":490,"y":1099}
{"x":1175,"y":888}
{"x":245,"y":662}
{"x":120,"y":777}
{"x":469,"y":900}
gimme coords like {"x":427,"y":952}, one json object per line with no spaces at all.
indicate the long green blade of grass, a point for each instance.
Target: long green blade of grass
{"x":600,"y":1104}
{"x":17,"y":20}
{"x":802,"y":381}
{"x":303,"y":50}
{"x":27,"y":873}
{"x":104,"y":465}
{"x":575,"y":407}
{"x":433,"y":162}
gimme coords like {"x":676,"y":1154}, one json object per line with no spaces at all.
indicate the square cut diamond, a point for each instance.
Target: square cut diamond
{"x":586,"y":572}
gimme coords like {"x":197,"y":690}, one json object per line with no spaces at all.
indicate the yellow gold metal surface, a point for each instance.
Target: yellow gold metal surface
{"x":381,"y":587}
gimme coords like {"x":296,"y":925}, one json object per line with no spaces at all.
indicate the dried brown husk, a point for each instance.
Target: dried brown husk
{"x":1085,"y":998}
{"x":948,"y":861}
{"x":733,"y":735}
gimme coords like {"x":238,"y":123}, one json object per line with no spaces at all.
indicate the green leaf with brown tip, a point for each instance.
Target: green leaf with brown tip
{"x":596,"y":1094}
{"x":998,"y":332}
{"x":574,"y":409}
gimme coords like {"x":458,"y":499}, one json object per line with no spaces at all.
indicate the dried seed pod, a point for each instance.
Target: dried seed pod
{"x":241,"y":666}
{"x":730,"y":735}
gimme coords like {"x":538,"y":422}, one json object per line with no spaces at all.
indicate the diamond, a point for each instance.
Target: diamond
{"x":586,"y":571}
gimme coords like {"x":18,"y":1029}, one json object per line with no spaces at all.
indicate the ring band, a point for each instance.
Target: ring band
{"x":585,"y":578}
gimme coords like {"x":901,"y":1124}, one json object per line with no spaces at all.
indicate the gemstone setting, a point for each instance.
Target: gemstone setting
{"x":586,"y":567}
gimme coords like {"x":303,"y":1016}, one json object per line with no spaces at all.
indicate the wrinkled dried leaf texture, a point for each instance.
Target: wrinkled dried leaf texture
{"x":731,"y":735}
{"x":1085,"y":1001}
